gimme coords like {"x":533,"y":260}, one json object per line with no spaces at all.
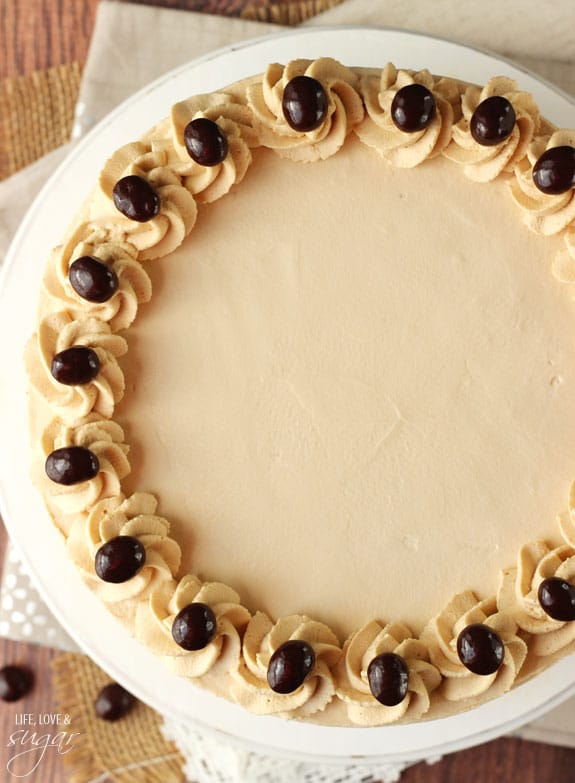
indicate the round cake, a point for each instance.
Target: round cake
{"x":325,"y":472}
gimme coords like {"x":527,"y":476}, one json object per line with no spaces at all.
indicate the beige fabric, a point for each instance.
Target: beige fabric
{"x":119,"y":62}
{"x":512,"y":28}
{"x":516,"y":28}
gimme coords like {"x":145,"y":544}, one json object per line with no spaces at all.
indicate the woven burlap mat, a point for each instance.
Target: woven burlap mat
{"x":37,"y":115}
{"x":38,"y":109}
{"x":130,"y":750}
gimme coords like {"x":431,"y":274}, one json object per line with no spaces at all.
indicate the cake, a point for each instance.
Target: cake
{"x":325,"y":472}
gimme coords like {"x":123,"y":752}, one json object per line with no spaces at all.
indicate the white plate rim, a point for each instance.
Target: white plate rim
{"x":328,"y":744}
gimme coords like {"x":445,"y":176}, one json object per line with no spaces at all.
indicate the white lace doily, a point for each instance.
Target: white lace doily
{"x":24,"y":616}
{"x":209,"y":759}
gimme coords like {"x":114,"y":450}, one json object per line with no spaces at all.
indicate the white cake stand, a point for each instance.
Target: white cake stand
{"x":76,"y":608}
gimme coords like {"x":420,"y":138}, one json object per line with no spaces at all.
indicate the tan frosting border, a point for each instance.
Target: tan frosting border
{"x":234,"y":663}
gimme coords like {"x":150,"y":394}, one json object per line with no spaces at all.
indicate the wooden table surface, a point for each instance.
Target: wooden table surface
{"x":36,"y":34}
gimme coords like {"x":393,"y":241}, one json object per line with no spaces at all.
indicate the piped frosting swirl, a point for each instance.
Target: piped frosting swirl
{"x":261,"y":639}
{"x":543,"y":213}
{"x":352,"y":682}
{"x":380,"y":133}
{"x":485,"y":163}
{"x":133,"y":516}
{"x":344,"y":112}
{"x":59,"y":331}
{"x":156,"y":616}
{"x":440,"y":636}
{"x":105,"y":439}
{"x":164,"y":232}
{"x":208,"y":183}
{"x":518,"y":594}
{"x":134,"y":286}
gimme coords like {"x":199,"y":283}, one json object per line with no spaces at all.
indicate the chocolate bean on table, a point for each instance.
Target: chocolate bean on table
{"x":113,"y":702}
{"x":15,"y":682}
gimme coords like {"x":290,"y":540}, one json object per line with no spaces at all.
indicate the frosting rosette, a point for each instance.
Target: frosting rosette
{"x":544,"y":213}
{"x":134,"y":286}
{"x":352,"y":681}
{"x":155,"y":617}
{"x":102,"y":437}
{"x":484,"y":163}
{"x":344,"y":109}
{"x":261,"y":639}
{"x":59,"y":331}
{"x":161,"y":234}
{"x":379,"y":131}
{"x":440,"y":636}
{"x":118,"y":516}
{"x":233,"y":118}
{"x":518,"y":594}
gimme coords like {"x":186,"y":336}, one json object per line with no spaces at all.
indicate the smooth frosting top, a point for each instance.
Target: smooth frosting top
{"x":297,"y":445}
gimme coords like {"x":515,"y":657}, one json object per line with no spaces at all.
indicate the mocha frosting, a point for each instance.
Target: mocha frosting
{"x":59,"y":331}
{"x":345,"y":109}
{"x":441,"y":634}
{"x":93,"y":512}
{"x":379,"y":131}
{"x":543,"y":213}
{"x":163,"y":233}
{"x":208,"y":183}
{"x":156,"y":615}
{"x":117,"y":516}
{"x":485,"y":163}
{"x":519,"y":587}
{"x":134,"y":285}
{"x":261,"y":639}
{"x":353,"y":686}
{"x":517,"y":596}
{"x":105,"y":439}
